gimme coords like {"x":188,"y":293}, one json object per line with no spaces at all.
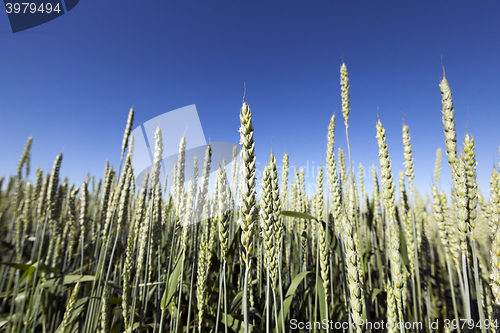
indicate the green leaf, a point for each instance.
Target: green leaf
{"x":331,"y":237}
{"x":236,"y":303}
{"x":68,"y":279}
{"x":290,"y":294}
{"x":404,"y":248}
{"x":338,"y":311}
{"x":374,"y":294}
{"x":3,"y":322}
{"x":116,"y":328}
{"x":321,"y":297}
{"x":23,"y":267}
{"x":233,"y":321}
{"x":172,"y":282}
{"x":370,"y":214}
{"x":298,"y":215}
{"x":31,"y":268}
{"x":115,"y":300}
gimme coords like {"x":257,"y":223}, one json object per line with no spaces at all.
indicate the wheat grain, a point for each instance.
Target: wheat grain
{"x":437,"y":166}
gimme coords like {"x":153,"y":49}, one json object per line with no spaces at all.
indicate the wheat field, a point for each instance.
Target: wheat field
{"x":105,"y":256}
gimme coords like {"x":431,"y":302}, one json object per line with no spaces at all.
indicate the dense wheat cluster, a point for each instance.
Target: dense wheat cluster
{"x":105,"y":256}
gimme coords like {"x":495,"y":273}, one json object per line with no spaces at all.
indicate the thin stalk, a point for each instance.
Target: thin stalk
{"x":159,"y":289}
{"x":14,"y":296}
{"x":36,"y":272}
{"x":275,"y":309}
{"x":99,"y":271}
{"x":450,"y":275}
{"x":225,"y":296}
{"x":146,"y":266}
{"x":221,"y":277}
{"x":267,"y":303}
{"x":466,"y":291}
{"x":417,"y":265}
{"x":195,"y":249}
{"x":317,"y":280}
{"x":462,"y":288}
{"x":281,"y":295}
{"x":190,"y":295}
{"x":138,"y":277}
{"x":120,"y":168}
{"x":245,"y":299}
{"x":478,"y":286}
{"x":348,"y":148}
{"x":81,"y":248}
{"x":345,"y":284}
{"x":428,"y":302}
{"x":414,"y":294}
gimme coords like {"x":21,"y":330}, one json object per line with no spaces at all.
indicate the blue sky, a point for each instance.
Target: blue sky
{"x":70,"y":82}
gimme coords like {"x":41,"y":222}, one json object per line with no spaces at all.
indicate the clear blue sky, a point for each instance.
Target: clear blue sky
{"x":70,"y":82}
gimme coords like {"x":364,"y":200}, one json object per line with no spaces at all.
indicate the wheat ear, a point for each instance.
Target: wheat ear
{"x":247,"y":196}
{"x":388,"y":195}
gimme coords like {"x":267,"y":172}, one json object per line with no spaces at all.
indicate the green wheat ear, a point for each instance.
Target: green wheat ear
{"x":495,"y":245}
{"x":344,"y":84}
{"x":128,"y":129}
{"x":266,"y":218}
{"x":394,"y":240}
{"x":70,"y":307}
{"x":247,"y":198}
{"x":323,"y":247}
{"x":223,"y":210}
{"x":247,"y":185}
{"x":25,"y":159}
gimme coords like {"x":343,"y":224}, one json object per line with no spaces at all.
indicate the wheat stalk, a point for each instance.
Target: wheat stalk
{"x":247,"y":196}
